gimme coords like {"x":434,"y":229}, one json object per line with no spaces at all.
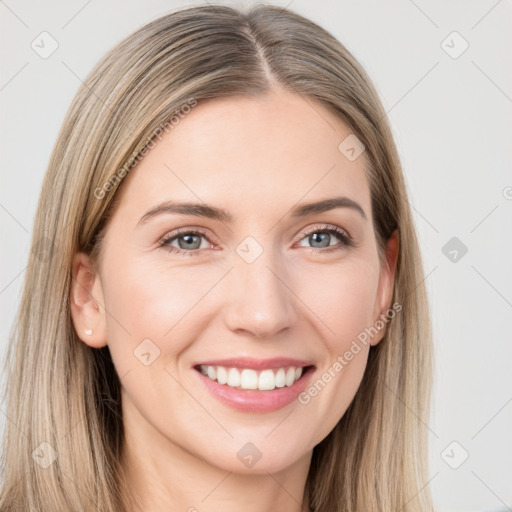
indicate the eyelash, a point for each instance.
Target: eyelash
{"x":346,"y":239}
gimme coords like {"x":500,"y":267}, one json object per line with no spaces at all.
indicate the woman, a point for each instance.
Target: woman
{"x":284,"y":365}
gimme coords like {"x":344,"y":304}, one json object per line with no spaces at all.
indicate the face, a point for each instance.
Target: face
{"x":249,"y":286}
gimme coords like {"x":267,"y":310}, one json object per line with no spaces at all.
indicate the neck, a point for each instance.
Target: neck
{"x":164,"y":477}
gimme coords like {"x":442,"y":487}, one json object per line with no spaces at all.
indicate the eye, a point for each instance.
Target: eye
{"x":320,"y":237}
{"x":185,"y":242}
{"x":188,"y":242}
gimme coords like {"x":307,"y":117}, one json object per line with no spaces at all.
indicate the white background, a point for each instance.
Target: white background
{"x":453,"y":125}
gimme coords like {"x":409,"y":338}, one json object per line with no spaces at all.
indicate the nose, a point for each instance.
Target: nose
{"x":261,"y":299}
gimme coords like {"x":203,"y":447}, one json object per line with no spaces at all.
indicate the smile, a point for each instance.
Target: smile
{"x":247,"y":378}
{"x":255,"y":385}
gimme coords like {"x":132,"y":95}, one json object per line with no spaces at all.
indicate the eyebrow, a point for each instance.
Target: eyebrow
{"x":213,"y":212}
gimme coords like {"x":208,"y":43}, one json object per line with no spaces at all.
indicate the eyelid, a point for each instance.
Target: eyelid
{"x":341,"y":233}
{"x":322,"y":227}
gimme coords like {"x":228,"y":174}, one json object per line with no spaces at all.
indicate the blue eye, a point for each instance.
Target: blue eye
{"x":190,"y":241}
{"x":323,"y":236}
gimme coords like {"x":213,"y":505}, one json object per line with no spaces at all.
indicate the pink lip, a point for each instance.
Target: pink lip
{"x":257,"y":364}
{"x":247,"y":400}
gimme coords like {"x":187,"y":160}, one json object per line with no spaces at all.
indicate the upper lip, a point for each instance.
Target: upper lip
{"x":257,"y":364}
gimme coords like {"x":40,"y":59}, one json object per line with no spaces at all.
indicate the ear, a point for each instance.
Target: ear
{"x":386,"y":284}
{"x":86,"y":302}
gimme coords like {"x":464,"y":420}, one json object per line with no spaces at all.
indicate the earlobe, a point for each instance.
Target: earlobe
{"x":86,"y":302}
{"x":386,"y":283}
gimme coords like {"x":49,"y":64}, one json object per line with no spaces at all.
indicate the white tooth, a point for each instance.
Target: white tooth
{"x":298,"y":373}
{"x":204,"y":369}
{"x":266,"y":381}
{"x":212,"y":373}
{"x":222,"y":375}
{"x":280,"y":378}
{"x":233,"y":378}
{"x":249,"y":379}
{"x":290,"y":376}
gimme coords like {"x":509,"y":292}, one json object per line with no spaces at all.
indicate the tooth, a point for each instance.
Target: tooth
{"x":204,"y":369}
{"x":222,"y":375}
{"x":290,"y":376}
{"x":212,"y":373}
{"x":249,"y":379}
{"x":266,"y":380}
{"x":233,"y":377}
{"x":280,"y":378}
{"x":298,"y":373}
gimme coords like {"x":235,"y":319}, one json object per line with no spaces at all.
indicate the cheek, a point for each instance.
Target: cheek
{"x":344,"y":298}
{"x":156,"y":303}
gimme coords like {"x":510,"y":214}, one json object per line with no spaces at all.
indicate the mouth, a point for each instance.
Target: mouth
{"x":255,"y":385}
{"x":249,"y":378}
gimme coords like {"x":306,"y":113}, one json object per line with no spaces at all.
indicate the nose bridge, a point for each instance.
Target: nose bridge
{"x":261,"y":302}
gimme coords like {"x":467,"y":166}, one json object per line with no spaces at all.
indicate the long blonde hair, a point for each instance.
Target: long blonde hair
{"x":62,"y":392}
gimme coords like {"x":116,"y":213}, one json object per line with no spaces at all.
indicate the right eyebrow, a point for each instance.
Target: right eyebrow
{"x":214,"y":212}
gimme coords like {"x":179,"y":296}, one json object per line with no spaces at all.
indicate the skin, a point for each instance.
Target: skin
{"x":256,"y":158}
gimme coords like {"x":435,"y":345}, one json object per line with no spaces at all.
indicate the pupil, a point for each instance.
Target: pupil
{"x":324,"y":238}
{"x":189,"y":240}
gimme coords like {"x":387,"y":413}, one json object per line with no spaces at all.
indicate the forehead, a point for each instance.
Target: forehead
{"x":252,"y":154}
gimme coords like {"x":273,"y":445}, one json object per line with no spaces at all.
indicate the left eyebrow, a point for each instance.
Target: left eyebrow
{"x":326,"y":205}
{"x":213,"y":212}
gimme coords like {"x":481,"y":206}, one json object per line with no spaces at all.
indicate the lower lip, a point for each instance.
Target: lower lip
{"x":248,"y":400}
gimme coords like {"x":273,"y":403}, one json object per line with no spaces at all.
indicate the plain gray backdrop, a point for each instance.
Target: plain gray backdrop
{"x":443,"y":71}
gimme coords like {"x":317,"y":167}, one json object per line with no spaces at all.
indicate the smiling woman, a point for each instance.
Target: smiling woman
{"x":236,"y":320}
